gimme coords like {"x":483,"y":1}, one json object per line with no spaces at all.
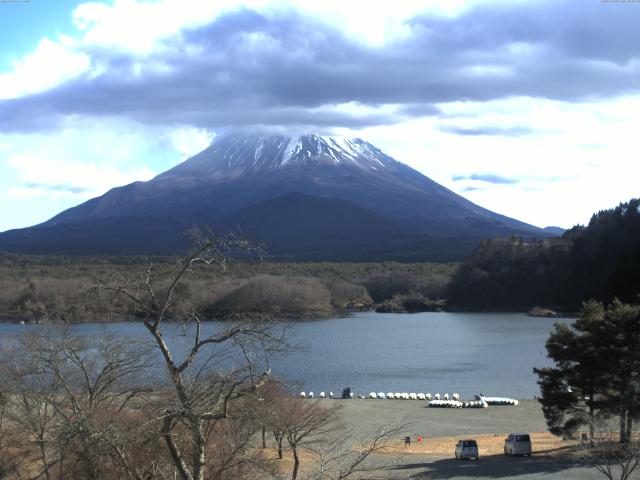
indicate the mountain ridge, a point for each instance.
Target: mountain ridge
{"x":241,"y":171}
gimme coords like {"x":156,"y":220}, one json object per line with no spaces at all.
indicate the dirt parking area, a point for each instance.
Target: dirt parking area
{"x":433,"y":458}
{"x":542,"y":443}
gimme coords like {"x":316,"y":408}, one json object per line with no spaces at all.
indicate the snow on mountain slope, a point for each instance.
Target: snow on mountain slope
{"x":239,"y":154}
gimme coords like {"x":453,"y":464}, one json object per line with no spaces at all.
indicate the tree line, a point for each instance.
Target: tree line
{"x":37,"y":289}
{"x":599,"y":261}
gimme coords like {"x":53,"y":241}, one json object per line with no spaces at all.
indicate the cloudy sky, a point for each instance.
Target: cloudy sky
{"x":528,"y":108}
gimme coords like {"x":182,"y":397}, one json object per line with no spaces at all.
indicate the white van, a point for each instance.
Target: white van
{"x":517,"y":444}
{"x":467,"y":449}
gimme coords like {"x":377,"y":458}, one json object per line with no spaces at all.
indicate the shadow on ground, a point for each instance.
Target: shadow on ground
{"x":494,"y":466}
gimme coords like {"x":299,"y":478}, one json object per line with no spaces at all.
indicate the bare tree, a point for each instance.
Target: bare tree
{"x":31,"y":409}
{"x":305,"y":422}
{"x":340,"y":457}
{"x":10,"y":454}
{"x":270,"y":413}
{"x":70,"y":395}
{"x":614,"y":459}
{"x":217,"y":370}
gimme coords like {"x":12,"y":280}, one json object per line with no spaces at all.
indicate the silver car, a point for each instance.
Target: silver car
{"x":517,"y":444}
{"x":467,"y":449}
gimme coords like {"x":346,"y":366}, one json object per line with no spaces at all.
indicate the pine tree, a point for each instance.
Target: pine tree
{"x":597,"y":369}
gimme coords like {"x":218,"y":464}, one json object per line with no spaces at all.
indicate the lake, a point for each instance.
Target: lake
{"x":467,"y":353}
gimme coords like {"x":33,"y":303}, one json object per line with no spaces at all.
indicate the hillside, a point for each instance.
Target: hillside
{"x":601,"y":261}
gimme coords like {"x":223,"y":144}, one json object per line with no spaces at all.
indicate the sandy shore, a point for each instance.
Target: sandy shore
{"x":363,"y":416}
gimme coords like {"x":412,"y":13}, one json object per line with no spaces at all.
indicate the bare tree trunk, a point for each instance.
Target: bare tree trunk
{"x":264,"y":437}
{"x":61,"y":469}
{"x":176,"y":456}
{"x":45,"y":459}
{"x":279,"y":439}
{"x":591,"y":414}
{"x":88,"y":457}
{"x":623,"y":427}
{"x":199,"y":460}
{"x":296,"y":463}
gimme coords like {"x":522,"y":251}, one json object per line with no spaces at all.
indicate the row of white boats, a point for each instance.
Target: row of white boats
{"x":435,"y":401}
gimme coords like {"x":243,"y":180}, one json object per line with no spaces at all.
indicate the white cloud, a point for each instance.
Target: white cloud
{"x":47,"y":172}
{"x":42,"y":176}
{"x":137,"y":26}
{"x":579,"y":158}
{"x":141,"y":26}
{"x":49,"y":65}
{"x":88,"y":157}
{"x":131,"y":25}
{"x":25,"y":193}
{"x":188,"y":141}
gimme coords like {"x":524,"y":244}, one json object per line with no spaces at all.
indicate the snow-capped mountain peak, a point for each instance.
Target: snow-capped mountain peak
{"x":238,"y":154}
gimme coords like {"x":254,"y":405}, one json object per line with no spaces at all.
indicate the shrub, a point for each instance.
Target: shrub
{"x":276,"y":295}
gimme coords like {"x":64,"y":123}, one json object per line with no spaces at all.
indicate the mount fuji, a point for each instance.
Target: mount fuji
{"x":303,"y":197}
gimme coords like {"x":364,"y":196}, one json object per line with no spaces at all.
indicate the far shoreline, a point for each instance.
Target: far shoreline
{"x":285,"y":318}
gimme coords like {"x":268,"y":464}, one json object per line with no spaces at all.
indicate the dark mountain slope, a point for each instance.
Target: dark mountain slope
{"x":363,"y":234}
{"x":238,"y":179}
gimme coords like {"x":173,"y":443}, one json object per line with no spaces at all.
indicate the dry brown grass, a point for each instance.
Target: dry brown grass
{"x":488,"y":444}
{"x":285,"y":465}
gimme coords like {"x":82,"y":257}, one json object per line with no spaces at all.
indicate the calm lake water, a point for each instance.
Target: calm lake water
{"x":466,"y":353}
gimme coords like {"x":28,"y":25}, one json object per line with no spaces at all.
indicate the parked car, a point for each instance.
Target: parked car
{"x":517,"y":444}
{"x":346,"y":392}
{"x":467,"y":449}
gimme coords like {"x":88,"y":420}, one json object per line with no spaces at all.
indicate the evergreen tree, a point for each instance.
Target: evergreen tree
{"x":597,"y":369}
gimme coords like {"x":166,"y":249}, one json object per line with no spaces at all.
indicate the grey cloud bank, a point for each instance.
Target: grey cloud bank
{"x":486,"y":177}
{"x":488,"y":131}
{"x":66,"y":189}
{"x":249,"y":69}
